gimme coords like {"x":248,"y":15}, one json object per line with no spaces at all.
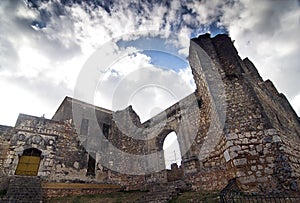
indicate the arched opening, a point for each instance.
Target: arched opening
{"x":29,"y":162}
{"x":171,"y":150}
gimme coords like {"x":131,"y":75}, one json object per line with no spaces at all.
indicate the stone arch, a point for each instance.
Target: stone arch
{"x":162,"y":136}
{"x":172,"y":153}
{"x":32,"y":152}
{"x":36,"y":140}
{"x":160,"y":139}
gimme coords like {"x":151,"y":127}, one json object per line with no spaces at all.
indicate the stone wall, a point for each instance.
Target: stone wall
{"x":176,"y":173}
{"x":60,"y":149}
{"x":4,"y":147}
{"x":254,"y":149}
{"x":52,"y":190}
{"x":235,"y":125}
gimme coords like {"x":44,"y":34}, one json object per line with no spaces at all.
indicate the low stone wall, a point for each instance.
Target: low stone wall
{"x":176,"y":173}
{"x":208,"y":181}
{"x":51,"y":190}
{"x":4,"y":181}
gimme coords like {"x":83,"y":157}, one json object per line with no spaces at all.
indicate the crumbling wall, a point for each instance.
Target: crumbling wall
{"x":235,"y":125}
{"x":4,"y":147}
{"x":286,"y":140}
{"x":62,"y":158}
{"x":253,"y":150}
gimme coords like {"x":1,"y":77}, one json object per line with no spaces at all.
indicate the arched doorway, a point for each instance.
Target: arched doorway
{"x":29,"y":162}
{"x":171,"y":150}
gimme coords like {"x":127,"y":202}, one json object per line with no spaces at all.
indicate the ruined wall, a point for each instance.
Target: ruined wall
{"x":235,"y":125}
{"x":51,"y":190}
{"x":61,"y":156}
{"x":4,"y":152}
{"x":286,"y":140}
{"x":253,"y":149}
{"x":4,"y":146}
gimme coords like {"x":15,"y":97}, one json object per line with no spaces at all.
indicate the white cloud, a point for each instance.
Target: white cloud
{"x":296,"y":103}
{"x":133,"y":80}
{"x":43,"y":50}
{"x":268,"y":33}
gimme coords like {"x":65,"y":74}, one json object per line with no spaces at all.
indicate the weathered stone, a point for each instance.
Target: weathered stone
{"x":268,"y":171}
{"x":260,"y":136}
{"x":76,"y":165}
{"x":276,"y":138}
{"x":231,"y":136}
{"x":239,"y":162}
{"x":226,"y":156}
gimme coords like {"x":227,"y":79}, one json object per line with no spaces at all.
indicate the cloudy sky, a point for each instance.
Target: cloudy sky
{"x":45,"y":44}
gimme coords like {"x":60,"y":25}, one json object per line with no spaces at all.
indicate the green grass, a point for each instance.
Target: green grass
{"x":131,"y":196}
{"x":209,"y":197}
{"x":115,"y":197}
{"x":2,"y":193}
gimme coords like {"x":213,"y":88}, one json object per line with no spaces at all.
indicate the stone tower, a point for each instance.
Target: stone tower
{"x":261,"y":133}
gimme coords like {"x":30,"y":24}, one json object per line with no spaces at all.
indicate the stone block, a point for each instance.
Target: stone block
{"x":268,"y":171}
{"x":226,"y":155}
{"x":231,"y":136}
{"x":270,"y":159}
{"x":235,"y":148}
{"x":247,"y":179}
{"x":239,"y":162}
{"x":276,"y":138}
{"x":240,"y":173}
{"x":260,"y":167}
{"x":76,"y":165}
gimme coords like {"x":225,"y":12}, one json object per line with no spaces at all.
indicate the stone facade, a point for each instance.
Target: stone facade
{"x":235,"y":125}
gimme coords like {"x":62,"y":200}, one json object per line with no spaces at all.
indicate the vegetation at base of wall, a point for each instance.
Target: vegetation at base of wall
{"x":207,"y":197}
{"x":2,"y":193}
{"x":115,"y":197}
{"x":131,"y":196}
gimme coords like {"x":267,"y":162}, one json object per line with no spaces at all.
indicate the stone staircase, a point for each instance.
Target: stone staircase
{"x":163,"y":192}
{"x":24,"y":189}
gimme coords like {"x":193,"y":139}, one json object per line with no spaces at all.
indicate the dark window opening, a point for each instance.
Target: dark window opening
{"x":232,"y":76}
{"x":91,"y":166}
{"x":84,"y":127}
{"x":199,"y":102}
{"x":105,"y":130}
{"x":172,"y":113}
{"x":32,"y":152}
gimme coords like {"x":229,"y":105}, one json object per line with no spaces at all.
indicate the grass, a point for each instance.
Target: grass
{"x":131,"y":196}
{"x":2,"y":193}
{"x":115,"y":197}
{"x":210,"y":197}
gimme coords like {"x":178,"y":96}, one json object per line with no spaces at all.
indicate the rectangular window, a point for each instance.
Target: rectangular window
{"x":91,"y":166}
{"x":84,"y":126}
{"x":105,"y":130}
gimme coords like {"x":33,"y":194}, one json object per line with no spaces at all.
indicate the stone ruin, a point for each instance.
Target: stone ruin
{"x":234,"y":126}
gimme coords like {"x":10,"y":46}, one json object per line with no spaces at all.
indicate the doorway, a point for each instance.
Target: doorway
{"x":29,"y":162}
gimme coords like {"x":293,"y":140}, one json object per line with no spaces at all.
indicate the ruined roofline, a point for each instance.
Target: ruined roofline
{"x":23,"y":116}
{"x":82,"y":103}
{"x":173,"y":107}
{"x":77,"y":101}
{"x":5,"y":127}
